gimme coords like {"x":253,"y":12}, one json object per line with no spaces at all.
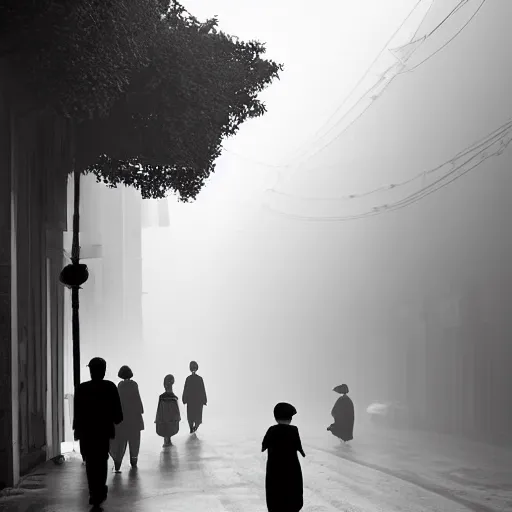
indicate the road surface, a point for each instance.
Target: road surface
{"x":212,"y":472}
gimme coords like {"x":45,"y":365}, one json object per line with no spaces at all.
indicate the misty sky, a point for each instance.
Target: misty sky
{"x":273,"y":309}
{"x":239,"y":298}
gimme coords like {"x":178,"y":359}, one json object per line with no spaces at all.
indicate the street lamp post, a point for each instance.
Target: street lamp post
{"x":74,"y":276}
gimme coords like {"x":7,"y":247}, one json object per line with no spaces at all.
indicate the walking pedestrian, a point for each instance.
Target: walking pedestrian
{"x":194,"y":397}
{"x":168,"y":413}
{"x":283,"y":479}
{"x":129,"y":430}
{"x":343,"y":415}
{"x":97,"y":410}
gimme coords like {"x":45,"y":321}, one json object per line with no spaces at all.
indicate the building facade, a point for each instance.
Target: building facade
{"x":35,"y":161}
{"x":36,"y":203}
{"x":462,"y":369}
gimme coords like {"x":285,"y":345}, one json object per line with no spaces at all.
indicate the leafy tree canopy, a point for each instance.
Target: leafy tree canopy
{"x":165,"y":133}
{"x":152,"y":90}
{"x":77,"y":56}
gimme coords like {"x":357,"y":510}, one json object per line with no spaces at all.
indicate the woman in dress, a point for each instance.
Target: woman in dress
{"x":128,"y":431}
{"x":343,"y":414}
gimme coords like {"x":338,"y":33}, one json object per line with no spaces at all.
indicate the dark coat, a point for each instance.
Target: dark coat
{"x":194,"y":392}
{"x":343,"y":414}
{"x":283,"y":481}
{"x":168,"y":415}
{"x":97,"y":410}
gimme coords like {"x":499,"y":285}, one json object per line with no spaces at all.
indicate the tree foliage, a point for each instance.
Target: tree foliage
{"x":77,"y":56}
{"x":165,"y":133}
{"x":153,"y":90}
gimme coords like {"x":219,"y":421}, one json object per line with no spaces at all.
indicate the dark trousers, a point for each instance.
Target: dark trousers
{"x":95,"y":450}
{"x":119,"y":444}
{"x":194,"y":415}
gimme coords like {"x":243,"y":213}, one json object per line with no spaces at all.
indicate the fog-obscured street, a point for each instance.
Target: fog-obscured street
{"x":221,"y":469}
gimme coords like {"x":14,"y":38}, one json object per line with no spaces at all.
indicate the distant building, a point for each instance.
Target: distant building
{"x":111,"y":300}
{"x":459,"y":361}
{"x":111,"y":316}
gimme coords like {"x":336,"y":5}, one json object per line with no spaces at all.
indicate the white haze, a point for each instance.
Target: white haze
{"x":264,"y":309}
{"x":277,"y":309}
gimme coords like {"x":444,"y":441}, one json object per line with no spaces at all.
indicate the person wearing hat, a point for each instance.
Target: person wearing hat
{"x":97,"y":411}
{"x":194,"y":397}
{"x":283,"y":479}
{"x":343,"y":414}
{"x":128,"y":431}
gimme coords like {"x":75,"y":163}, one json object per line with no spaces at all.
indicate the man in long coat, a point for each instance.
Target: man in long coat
{"x":194,"y":397}
{"x":97,"y":411}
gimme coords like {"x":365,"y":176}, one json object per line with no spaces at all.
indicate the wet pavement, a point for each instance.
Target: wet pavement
{"x":214,"y":472}
{"x":474,"y":474}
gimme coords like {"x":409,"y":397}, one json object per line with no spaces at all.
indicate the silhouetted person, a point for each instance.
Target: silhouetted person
{"x":194,"y":397}
{"x":343,"y":414}
{"x":283,"y":481}
{"x":97,"y":411}
{"x":128,"y":431}
{"x":168,"y":415}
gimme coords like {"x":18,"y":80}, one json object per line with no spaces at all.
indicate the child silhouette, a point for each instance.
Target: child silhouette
{"x":168,"y":413}
{"x":283,"y":480}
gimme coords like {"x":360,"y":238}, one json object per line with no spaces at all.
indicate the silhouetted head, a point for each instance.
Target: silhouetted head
{"x":343,"y":389}
{"x":125,"y":372}
{"x":283,"y":412}
{"x":193,"y":366}
{"x":97,"y":368}
{"x":168,"y":382}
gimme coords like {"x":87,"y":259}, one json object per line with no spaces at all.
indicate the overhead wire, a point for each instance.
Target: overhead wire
{"x":495,"y":134}
{"x":411,"y":198}
{"x":425,"y":191}
{"x":370,"y":89}
{"x":364,"y":95}
{"x":409,"y":70}
{"x":378,"y":210}
{"x":424,"y":17}
{"x":327,"y":144}
{"x":453,"y":11}
{"x":438,"y":184}
{"x":366,"y":73}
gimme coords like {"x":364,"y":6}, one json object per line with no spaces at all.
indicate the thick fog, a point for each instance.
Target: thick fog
{"x":276,"y":304}
{"x":265,"y":306}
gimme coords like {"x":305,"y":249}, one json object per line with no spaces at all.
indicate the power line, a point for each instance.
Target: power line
{"x":495,"y":134}
{"x":378,"y":210}
{"x":453,"y":11}
{"x":422,"y":39}
{"x":424,"y":18}
{"x":325,"y":146}
{"x":415,"y":197}
{"x":447,"y":42}
{"x":366,"y":73}
{"x":373,"y":87}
